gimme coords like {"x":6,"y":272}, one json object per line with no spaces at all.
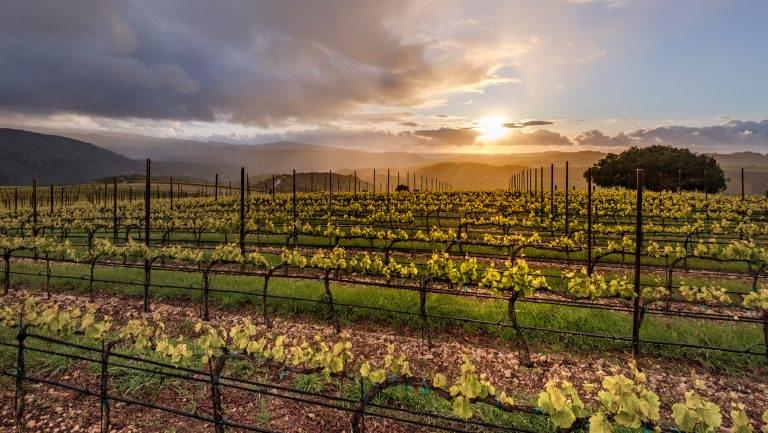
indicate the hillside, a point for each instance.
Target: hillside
{"x":470,"y":175}
{"x":314,"y":181}
{"x":55,"y":159}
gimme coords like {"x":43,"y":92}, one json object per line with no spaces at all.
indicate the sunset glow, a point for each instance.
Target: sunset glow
{"x":491,"y":129}
{"x":406,"y":75}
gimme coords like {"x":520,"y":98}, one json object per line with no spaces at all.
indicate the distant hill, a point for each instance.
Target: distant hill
{"x":58,"y":159}
{"x":55,"y":159}
{"x":469,"y":175}
{"x":277,"y":157}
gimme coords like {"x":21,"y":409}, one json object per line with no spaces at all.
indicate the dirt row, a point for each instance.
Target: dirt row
{"x":56,"y":410}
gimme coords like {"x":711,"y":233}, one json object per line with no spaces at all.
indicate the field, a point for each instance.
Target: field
{"x":232,"y":309}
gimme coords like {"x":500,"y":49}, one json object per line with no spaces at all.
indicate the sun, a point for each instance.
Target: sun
{"x":491,"y":128}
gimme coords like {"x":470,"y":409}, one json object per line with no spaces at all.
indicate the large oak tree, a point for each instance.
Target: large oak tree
{"x":665,"y":167}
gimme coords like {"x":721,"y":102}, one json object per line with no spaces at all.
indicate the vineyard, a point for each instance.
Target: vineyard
{"x":525,"y":310}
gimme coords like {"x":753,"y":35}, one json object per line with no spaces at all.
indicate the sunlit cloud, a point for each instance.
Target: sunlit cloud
{"x":430,"y":74}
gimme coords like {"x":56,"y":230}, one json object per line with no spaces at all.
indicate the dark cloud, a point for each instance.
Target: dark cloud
{"x":517,"y":125}
{"x":596,"y":138}
{"x":253,"y":62}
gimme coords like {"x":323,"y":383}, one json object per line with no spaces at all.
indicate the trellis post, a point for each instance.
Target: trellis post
{"x":551,"y":192}
{"x":590,"y":267}
{"x":34,"y":207}
{"x":242,"y":210}
{"x":636,"y":313}
{"x":295,"y":238}
{"x":20,"y":374}
{"x":147,"y":215}
{"x":114,"y":210}
{"x":567,"y":215}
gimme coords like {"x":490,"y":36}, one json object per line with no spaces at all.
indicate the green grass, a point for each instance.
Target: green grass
{"x":565,"y":318}
{"x":308,"y":382}
{"x":427,"y":402}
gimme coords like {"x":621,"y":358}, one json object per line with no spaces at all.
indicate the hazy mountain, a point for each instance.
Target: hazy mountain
{"x":55,"y":159}
{"x":61,"y":160}
{"x":278,"y":157}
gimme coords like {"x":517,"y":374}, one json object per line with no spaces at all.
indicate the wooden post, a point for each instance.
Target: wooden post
{"x":216,"y":187}
{"x":589,"y":222}
{"x":330,"y":194}
{"x":636,"y":314}
{"x":567,"y":215}
{"x":742,"y":183}
{"x":19,"y":396}
{"x":541,"y":191}
{"x":170,"y":192}
{"x":106,"y":347}
{"x":114,"y":210}
{"x":242,"y":210}
{"x":34,"y":207}
{"x":147,"y":214}
{"x":551,"y":191}
{"x":295,"y":238}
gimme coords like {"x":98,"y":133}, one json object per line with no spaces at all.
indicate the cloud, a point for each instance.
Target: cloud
{"x":516,"y":125}
{"x":735,"y":133}
{"x":260,"y":63}
{"x":541,"y":137}
{"x":596,"y":138}
{"x":610,"y":4}
{"x":449,"y":137}
{"x":410,"y":124}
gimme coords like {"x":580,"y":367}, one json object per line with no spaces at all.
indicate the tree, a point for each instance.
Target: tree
{"x":401,"y":187}
{"x":665,"y":167}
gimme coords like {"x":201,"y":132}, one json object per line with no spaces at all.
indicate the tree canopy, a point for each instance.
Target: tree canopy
{"x":664,"y":167}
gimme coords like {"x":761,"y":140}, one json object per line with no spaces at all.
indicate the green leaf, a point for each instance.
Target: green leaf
{"x":598,"y":423}
{"x":462,"y":408}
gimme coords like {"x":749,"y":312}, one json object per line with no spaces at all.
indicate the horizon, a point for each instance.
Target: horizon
{"x":82,"y":136}
{"x":495,"y":77}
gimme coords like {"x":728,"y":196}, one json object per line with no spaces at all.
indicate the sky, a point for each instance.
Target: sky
{"x":474,"y":76}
